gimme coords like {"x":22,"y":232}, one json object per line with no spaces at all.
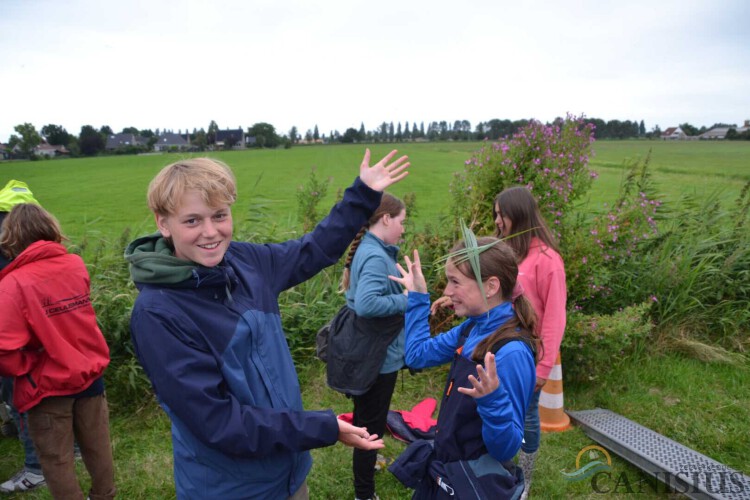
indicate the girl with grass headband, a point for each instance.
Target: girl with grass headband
{"x":541,"y":274}
{"x":491,"y":379}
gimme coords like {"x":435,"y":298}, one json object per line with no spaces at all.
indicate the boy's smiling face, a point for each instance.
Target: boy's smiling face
{"x":199,"y":233}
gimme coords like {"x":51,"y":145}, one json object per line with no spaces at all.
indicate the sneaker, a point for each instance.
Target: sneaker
{"x":381,"y":462}
{"x":23,"y":481}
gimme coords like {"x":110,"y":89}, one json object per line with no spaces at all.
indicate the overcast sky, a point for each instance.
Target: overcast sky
{"x":172,"y":64}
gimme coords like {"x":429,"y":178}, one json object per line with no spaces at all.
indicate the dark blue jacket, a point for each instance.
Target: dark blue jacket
{"x":215,"y":352}
{"x":503,"y":411}
{"x":457,"y":464}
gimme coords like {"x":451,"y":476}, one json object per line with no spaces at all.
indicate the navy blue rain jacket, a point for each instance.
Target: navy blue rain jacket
{"x":213,"y":347}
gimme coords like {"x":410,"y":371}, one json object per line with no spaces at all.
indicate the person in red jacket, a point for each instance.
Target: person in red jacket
{"x":51,"y":344}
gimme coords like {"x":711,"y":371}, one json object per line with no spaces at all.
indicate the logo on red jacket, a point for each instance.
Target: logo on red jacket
{"x":55,"y":307}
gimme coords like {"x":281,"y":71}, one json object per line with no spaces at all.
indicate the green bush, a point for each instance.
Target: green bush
{"x":595,"y":343}
{"x":113,"y":295}
{"x":699,"y":273}
{"x":309,"y":196}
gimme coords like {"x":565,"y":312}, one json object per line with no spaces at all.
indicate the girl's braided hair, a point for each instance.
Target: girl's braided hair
{"x":390,"y":205}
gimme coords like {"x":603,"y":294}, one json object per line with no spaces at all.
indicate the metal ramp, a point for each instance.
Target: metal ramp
{"x":684,"y":470}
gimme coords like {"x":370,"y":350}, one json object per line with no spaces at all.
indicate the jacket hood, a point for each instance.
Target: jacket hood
{"x":152,"y":260}
{"x":38,"y":250}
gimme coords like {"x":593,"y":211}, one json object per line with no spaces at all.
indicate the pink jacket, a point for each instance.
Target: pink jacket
{"x":542,"y":275}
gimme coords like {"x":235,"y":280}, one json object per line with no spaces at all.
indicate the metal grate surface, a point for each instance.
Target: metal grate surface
{"x":685,"y":470}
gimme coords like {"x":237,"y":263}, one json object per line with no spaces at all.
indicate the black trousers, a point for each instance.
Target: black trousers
{"x":371,"y":411}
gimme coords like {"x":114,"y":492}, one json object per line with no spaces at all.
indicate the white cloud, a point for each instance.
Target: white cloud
{"x":179,"y":64}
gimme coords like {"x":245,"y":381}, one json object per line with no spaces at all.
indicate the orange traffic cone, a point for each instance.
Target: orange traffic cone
{"x":551,"y":414}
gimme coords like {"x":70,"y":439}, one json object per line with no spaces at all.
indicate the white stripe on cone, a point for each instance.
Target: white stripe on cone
{"x":552,"y":401}
{"x":555,"y":373}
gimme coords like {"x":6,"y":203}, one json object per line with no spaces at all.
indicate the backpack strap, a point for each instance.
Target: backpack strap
{"x":464,"y":336}
{"x":523,"y":338}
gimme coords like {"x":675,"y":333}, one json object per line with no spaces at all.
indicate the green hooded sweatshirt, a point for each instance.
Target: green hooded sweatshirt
{"x":152,"y":261}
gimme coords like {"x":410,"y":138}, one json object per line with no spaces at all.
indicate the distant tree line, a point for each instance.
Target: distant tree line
{"x":91,"y":141}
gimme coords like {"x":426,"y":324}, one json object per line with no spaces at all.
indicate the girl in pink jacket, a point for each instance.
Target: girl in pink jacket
{"x":541,"y":272}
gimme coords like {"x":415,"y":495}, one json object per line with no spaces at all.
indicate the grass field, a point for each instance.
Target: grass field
{"x":701,"y":405}
{"x":102,"y":196}
{"x":678,"y":167}
{"x":687,"y":400}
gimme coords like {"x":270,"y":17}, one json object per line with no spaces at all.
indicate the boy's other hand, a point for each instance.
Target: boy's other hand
{"x":358,"y":437}
{"x":383,"y":174}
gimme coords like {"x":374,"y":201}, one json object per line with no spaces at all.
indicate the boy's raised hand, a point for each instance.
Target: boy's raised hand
{"x":383,"y":174}
{"x":411,"y":278}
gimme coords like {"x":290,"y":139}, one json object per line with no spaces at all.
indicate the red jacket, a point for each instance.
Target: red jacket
{"x":49,"y":339}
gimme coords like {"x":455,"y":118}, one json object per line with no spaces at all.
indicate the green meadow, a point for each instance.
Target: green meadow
{"x":702,"y":405}
{"x":100,"y":197}
{"x":678,"y":167}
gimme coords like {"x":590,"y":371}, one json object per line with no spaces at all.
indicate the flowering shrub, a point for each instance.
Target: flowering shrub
{"x":551,"y":160}
{"x":601,"y":254}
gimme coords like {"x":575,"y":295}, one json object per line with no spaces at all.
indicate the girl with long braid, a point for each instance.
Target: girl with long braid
{"x":370,"y":294}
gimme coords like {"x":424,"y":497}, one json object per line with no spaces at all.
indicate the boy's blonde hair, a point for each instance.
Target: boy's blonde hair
{"x":211,"y":178}
{"x":26,"y":224}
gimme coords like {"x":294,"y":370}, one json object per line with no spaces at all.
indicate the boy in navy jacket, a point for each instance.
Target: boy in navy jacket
{"x":207,"y":330}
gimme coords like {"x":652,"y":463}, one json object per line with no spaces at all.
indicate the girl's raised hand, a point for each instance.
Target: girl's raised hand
{"x":383,"y":174}
{"x":411,"y":278}
{"x":487,"y":381}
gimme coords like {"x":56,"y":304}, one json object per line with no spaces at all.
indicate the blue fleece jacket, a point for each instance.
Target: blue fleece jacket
{"x":502,"y":411}
{"x":211,"y":342}
{"x":372,"y":294}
